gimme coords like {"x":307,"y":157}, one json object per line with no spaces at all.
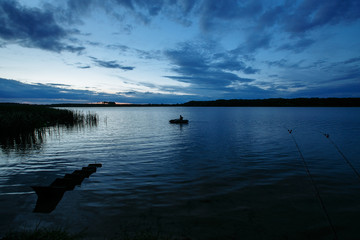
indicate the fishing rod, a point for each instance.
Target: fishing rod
{"x":314,"y":186}
{"x":341,"y":153}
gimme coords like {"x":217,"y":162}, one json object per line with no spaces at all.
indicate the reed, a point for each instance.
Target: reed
{"x":23,"y":123}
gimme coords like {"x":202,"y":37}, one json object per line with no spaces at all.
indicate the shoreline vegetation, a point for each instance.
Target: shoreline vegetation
{"x":24,"y":124}
{"x":42,"y":234}
{"x":58,"y":233}
{"x":270,"y":102}
{"x":280,"y":102}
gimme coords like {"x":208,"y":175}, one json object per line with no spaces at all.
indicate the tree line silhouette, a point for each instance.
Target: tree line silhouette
{"x":279,"y":102}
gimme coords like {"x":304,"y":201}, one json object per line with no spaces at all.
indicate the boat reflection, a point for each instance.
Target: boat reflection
{"x":50,"y":196}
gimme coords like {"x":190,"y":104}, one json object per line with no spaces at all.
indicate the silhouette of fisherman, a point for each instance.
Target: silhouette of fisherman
{"x":181,"y":118}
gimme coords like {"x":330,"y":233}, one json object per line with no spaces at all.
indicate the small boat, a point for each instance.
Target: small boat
{"x":179,"y":121}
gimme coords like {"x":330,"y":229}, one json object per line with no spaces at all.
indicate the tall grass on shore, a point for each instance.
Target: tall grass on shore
{"x":23,"y":124}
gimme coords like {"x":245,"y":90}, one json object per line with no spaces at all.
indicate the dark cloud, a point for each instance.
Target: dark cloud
{"x":255,"y":42}
{"x":345,"y":66}
{"x":122,"y":48}
{"x":79,"y":65}
{"x":144,"y":10}
{"x":58,"y":85}
{"x":32,"y":27}
{"x":213,"y":11}
{"x":283,"y":63}
{"x":325,"y":91}
{"x":141,"y":10}
{"x":111,"y":64}
{"x":264,"y":22}
{"x":343,"y":74}
{"x":11,"y":89}
{"x":228,"y":61}
{"x":154,"y":54}
{"x":84,"y":67}
{"x":307,"y":15}
{"x":145,"y":7}
{"x":353,"y":60}
{"x":15,"y":91}
{"x":153,"y":7}
{"x":297,"y":46}
{"x":322,"y":78}
{"x":259,"y":24}
{"x":294,"y":16}
{"x":80,"y":6}
{"x":348,"y":70}
{"x":259,"y":18}
{"x":271,"y":16}
{"x":199,"y":65}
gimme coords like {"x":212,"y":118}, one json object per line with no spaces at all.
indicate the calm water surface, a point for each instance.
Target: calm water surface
{"x":231,"y":173}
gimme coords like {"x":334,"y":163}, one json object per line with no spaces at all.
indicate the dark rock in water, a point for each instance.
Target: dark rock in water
{"x":49,"y":191}
{"x":89,"y":169}
{"x":75,"y":178}
{"x":95,"y":165}
{"x":67,"y":183}
{"x":50,"y":196}
{"x":85,"y":174}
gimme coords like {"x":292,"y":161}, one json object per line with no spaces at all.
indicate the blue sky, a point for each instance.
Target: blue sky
{"x":173,"y":51}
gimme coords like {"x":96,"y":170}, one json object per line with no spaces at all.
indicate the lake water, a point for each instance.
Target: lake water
{"x":231,"y":173}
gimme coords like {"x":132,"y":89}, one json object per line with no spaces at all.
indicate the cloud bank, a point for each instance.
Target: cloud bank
{"x":16,"y":91}
{"x":110,"y":64}
{"x":200,"y":65}
{"x":220,"y":49}
{"x":33,"y":27}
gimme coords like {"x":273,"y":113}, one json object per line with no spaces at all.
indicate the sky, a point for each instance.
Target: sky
{"x":174,"y":51}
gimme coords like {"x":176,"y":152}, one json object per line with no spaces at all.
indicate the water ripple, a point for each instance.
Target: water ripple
{"x":229,"y":167}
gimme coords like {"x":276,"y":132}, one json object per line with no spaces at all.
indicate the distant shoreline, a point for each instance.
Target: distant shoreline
{"x":271,"y":102}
